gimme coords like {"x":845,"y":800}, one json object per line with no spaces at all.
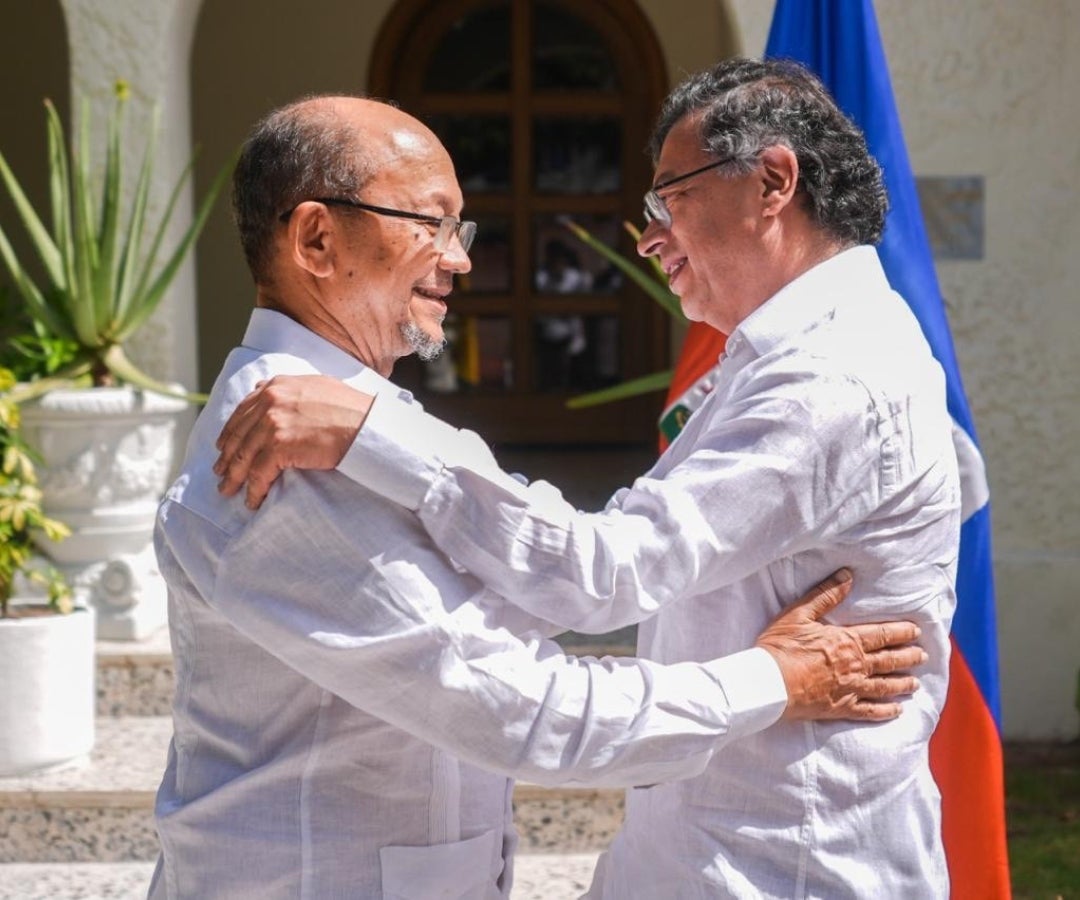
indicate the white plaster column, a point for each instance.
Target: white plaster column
{"x":147,"y":43}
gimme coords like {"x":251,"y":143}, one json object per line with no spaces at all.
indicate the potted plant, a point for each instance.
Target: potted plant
{"x":103,"y":427}
{"x":46,"y":655}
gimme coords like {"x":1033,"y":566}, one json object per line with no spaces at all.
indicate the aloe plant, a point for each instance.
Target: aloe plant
{"x":654,"y":282}
{"x":102,"y":281}
{"x":21,"y":512}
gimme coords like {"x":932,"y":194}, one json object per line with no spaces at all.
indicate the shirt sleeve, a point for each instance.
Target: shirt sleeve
{"x":767,"y":475}
{"x":401,"y":450}
{"x":367,"y":608}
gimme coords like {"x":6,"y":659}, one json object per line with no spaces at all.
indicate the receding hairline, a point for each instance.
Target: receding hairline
{"x":379,"y":126}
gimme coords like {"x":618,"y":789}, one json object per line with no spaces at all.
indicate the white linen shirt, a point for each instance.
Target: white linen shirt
{"x":826,"y":442}
{"x":339,"y":685}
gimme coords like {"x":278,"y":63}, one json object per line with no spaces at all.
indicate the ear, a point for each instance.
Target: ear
{"x":779,"y":179}
{"x":312,"y":239}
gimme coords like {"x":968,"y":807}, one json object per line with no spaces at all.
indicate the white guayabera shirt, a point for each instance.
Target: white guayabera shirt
{"x":826,"y":442}
{"x":350,"y":707}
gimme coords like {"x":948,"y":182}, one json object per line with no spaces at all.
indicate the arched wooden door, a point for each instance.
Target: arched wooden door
{"x":545,"y":106}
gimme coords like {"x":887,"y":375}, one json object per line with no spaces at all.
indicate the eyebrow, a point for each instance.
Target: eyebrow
{"x":443,"y":202}
{"x":660,"y":177}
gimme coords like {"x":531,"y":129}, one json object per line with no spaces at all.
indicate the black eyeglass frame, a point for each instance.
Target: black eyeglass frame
{"x":464,"y":229}
{"x":655,"y":207}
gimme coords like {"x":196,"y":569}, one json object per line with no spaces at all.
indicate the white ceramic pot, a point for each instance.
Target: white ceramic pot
{"x":107,"y":457}
{"x":47,"y":702}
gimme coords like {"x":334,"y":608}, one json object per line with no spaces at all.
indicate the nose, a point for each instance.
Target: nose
{"x":454,"y":258}
{"x":651,"y":240}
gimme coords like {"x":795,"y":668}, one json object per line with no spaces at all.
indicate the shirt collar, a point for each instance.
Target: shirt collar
{"x":270,"y":331}
{"x":813,"y":296}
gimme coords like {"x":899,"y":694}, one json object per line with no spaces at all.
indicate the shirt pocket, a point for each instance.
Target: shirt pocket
{"x":458,"y":871}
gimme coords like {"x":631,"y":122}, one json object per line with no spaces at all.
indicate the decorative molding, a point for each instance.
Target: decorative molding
{"x":107,"y":454}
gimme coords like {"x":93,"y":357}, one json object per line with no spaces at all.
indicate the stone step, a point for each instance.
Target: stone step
{"x":100,"y":810}
{"x":94,"y":810}
{"x":538,"y":876}
{"x":74,"y":881}
{"x":135,"y":678}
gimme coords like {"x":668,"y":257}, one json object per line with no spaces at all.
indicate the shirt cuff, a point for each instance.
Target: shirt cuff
{"x":754,"y":687}
{"x":393,"y":454}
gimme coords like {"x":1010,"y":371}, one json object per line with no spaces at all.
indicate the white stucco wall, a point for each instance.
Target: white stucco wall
{"x":984,"y":87}
{"x":992,"y":92}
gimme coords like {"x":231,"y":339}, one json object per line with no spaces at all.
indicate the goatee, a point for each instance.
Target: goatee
{"x":421,"y":343}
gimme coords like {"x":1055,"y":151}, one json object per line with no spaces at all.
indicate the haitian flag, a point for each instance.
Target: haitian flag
{"x":839,"y":40}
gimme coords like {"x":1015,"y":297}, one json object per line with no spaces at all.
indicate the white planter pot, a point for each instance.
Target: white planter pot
{"x":47,"y":700}
{"x":108,"y":455}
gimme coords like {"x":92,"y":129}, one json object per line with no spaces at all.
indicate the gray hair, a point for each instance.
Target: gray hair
{"x":748,"y":105}
{"x":297,"y":152}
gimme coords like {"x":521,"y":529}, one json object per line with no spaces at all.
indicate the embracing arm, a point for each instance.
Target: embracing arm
{"x":703,"y":524}
{"x":303,"y":422}
{"x":378,"y":617}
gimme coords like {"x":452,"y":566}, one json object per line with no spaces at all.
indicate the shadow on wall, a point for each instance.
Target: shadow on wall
{"x":33,"y":65}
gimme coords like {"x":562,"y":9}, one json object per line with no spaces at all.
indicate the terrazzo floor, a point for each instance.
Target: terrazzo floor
{"x":540,"y":876}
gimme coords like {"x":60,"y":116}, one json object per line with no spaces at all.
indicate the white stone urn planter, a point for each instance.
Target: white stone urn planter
{"x":107,"y":456}
{"x":47,"y":700}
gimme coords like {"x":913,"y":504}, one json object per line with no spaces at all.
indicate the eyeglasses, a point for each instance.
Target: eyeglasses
{"x":447,"y":226}
{"x":656,"y":210}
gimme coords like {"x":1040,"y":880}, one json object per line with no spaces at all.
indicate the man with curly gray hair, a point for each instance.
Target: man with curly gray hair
{"x":745,"y":105}
{"x":824,"y":441}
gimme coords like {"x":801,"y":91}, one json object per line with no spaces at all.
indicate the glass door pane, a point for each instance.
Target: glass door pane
{"x":481,"y":149}
{"x":473,"y":55}
{"x":563,"y":264}
{"x":577,"y":156}
{"x":575,"y":353}
{"x":568,"y":54}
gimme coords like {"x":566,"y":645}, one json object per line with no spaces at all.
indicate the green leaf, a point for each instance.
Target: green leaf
{"x":55,"y":531}
{"x":655,"y":286}
{"x":131,"y":246}
{"x":79,"y":300}
{"x":75,"y":375}
{"x":39,"y":236}
{"x":146,"y":303}
{"x":31,"y":294}
{"x":60,"y":597}
{"x":60,"y":196}
{"x":647,"y":384}
{"x":124,"y":369}
{"x":104,"y":290}
{"x":101,"y":286}
{"x":18,"y":465}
